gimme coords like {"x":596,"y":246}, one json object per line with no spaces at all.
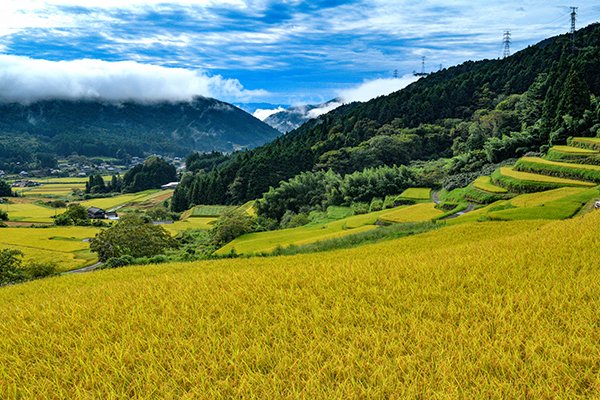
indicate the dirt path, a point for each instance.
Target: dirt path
{"x":84,"y":269}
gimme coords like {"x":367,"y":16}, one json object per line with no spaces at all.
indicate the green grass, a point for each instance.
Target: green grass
{"x":526,"y":182}
{"x":213,"y":210}
{"x":416,"y":193}
{"x":485,"y":183}
{"x":559,"y":169}
{"x":338,"y":212}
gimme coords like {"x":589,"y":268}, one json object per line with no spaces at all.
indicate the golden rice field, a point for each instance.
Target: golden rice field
{"x":123,"y":199}
{"x":29,"y":212}
{"x":60,"y":189}
{"x":574,"y":150}
{"x":417,"y":193}
{"x":588,"y":142}
{"x":505,"y":310}
{"x":485,"y":183}
{"x":61,"y":245}
{"x":204,"y":223}
{"x":528,"y":176}
{"x":416,"y":213}
{"x":542,"y":161}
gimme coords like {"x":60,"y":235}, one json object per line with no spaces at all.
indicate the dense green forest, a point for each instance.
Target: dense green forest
{"x":94,"y":128}
{"x":447,"y":126}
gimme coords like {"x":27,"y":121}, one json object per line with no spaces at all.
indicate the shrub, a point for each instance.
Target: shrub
{"x":360,"y":208}
{"x":376,"y":205}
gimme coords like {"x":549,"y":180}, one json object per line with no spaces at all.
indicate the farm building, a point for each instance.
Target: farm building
{"x":170,"y":185}
{"x":96,"y":213}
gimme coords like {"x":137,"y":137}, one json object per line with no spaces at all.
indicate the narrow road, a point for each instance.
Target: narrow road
{"x":436,"y":199}
{"x":84,"y":269}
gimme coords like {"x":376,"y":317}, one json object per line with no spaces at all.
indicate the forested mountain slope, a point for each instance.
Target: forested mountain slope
{"x":96,"y":128}
{"x":474,"y":114}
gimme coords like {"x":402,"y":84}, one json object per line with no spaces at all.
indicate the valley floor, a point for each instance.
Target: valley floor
{"x":476,"y":310}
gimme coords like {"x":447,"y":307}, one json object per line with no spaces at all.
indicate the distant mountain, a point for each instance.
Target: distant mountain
{"x":96,"y":128}
{"x":292,"y":118}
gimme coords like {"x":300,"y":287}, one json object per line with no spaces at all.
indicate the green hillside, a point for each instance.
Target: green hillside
{"x":472,"y":116}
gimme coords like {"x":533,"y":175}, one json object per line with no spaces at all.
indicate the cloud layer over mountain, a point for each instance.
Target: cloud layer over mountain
{"x":23,"y":79}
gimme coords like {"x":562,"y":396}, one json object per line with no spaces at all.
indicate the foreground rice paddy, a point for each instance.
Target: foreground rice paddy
{"x":482,"y":310}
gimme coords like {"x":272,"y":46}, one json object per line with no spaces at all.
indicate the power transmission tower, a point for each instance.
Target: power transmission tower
{"x":573,"y":20}
{"x":506,"y":41}
{"x":395,"y":74}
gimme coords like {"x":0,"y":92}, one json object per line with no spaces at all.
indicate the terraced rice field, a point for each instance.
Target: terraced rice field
{"x":264,"y":242}
{"x":417,"y":213}
{"x":61,"y":245}
{"x":586,"y":172}
{"x":531,"y":177}
{"x":584,"y":142}
{"x":485,"y":183}
{"x":552,"y":204}
{"x":494,"y":310}
{"x":574,"y":150}
{"x":417,"y":193}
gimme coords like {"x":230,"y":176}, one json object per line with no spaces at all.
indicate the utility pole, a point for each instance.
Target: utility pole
{"x":506,"y":41}
{"x":573,"y":20}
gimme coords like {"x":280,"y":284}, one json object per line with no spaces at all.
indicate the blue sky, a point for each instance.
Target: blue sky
{"x":288,"y":52}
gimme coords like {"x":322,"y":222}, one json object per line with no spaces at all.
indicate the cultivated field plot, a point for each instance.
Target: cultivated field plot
{"x":553,"y":204}
{"x":418,"y":213}
{"x":264,"y":242}
{"x":249,"y":208}
{"x":51,"y":190}
{"x":574,"y":150}
{"x":561,"y":169}
{"x":417,"y":193}
{"x":485,"y":183}
{"x":495,"y":310}
{"x":64,"y":246}
{"x":531,"y":177}
{"x":110,"y":203}
{"x":29,"y":212}
{"x":204,"y":223}
{"x":587,"y":143}
{"x":210,"y":211}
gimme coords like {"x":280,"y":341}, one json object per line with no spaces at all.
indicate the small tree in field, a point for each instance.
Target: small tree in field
{"x":231,"y":225}
{"x":132,"y":236}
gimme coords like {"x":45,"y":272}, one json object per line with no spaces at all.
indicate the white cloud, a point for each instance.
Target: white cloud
{"x":379,"y":87}
{"x":263,"y":114}
{"x":366,"y":91}
{"x":24,"y":79}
